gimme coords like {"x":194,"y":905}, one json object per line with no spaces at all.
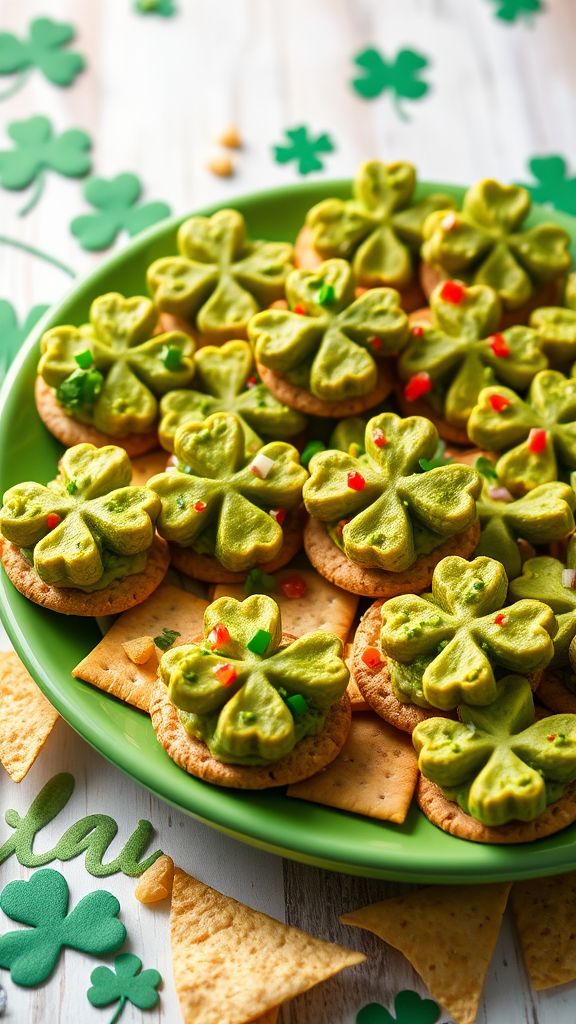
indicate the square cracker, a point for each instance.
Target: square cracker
{"x":26,"y":717}
{"x":545,"y":914}
{"x":108,"y":666}
{"x":148,"y":465}
{"x":374,"y":774}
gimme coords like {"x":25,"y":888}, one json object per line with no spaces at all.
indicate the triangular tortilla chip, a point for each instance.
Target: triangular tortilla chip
{"x":156,"y":882}
{"x":448,"y":933}
{"x":545,"y":914}
{"x":26,"y":717}
{"x":233,"y":964}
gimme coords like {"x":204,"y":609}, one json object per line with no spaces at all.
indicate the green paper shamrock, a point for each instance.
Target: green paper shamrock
{"x":109,"y":372}
{"x":487,"y":243}
{"x":117,"y":202}
{"x":380,"y":228}
{"x":542,"y":579}
{"x":87,"y":524}
{"x":304,"y":149}
{"x":392,"y":511}
{"x":497,"y":763}
{"x":330,"y":351}
{"x":31,"y":955}
{"x":401,"y":76}
{"x":461,"y":354}
{"x":462,"y":626}
{"x":537,"y":434}
{"x":12,"y":333}
{"x":44,"y":49}
{"x":409,"y":1008}
{"x":246,"y":696}
{"x":221,"y":494}
{"x":37,"y":150}
{"x":554,"y":187}
{"x":165,"y":8}
{"x":513,"y":10}
{"x":127,"y":983}
{"x":220,"y":279}
{"x":226,"y":375}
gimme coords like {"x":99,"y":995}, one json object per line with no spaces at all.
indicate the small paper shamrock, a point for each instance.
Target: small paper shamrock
{"x":38,"y":150}
{"x":127,"y":983}
{"x":462,"y":625}
{"x":497,"y":763}
{"x":109,"y":372}
{"x":488,"y":243}
{"x":409,"y":1008}
{"x":327,"y":340}
{"x":249,"y":698}
{"x":461,"y":353}
{"x":221,"y":494}
{"x":165,"y":8}
{"x":389,"y":507}
{"x":44,"y":49}
{"x":220,"y":279}
{"x":513,"y":10}
{"x":117,"y":202}
{"x":542,"y":578}
{"x":380,"y":228}
{"x":304,"y":149}
{"x":31,"y":955}
{"x":554,"y":187}
{"x":12,"y":333}
{"x":229,"y":384}
{"x":544,"y":423}
{"x":401,"y":76}
{"x":79,"y":520}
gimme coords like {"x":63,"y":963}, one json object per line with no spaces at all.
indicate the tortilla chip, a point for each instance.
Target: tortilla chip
{"x":109,"y":667}
{"x":156,"y":882}
{"x":140,"y":650}
{"x":235,"y":964}
{"x":26,"y":717}
{"x":144,"y":467}
{"x":448,"y":933}
{"x":374,"y":774}
{"x":545,"y":914}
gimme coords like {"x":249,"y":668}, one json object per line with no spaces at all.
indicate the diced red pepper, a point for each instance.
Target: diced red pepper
{"x":251,"y":382}
{"x":200,"y":506}
{"x":278,"y":515}
{"x":500,"y":619}
{"x":300,"y":310}
{"x":499,"y":346}
{"x":356,"y":481}
{"x":537,"y":441}
{"x":417,"y":332}
{"x":499,"y":402}
{"x":418,"y":385}
{"x":371,"y":657}
{"x":53,"y":520}
{"x":293,"y":587}
{"x":551,"y":737}
{"x":226,"y":674}
{"x":375,"y":343}
{"x":379,"y":438}
{"x":218,"y":636}
{"x":453,"y":292}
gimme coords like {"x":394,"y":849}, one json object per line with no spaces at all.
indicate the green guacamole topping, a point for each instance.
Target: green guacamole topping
{"x":488,"y":243}
{"x":542,"y":578}
{"x":557,"y":327}
{"x":380,"y":228}
{"x":498,"y":763}
{"x":227,"y":378}
{"x":383,"y":496}
{"x":225,"y":495}
{"x":328,"y":342}
{"x":466,"y":630}
{"x":220,"y":279}
{"x":109,"y":372}
{"x":88,"y":526}
{"x":461,"y":353}
{"x":249,"y":698}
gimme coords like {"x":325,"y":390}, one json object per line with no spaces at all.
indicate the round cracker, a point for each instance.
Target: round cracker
{"x":555,"y":694}
{"x":301,"y":399}
{"x":332,"y":563}
{"x":447,"y":431}
{"x":70,"y":431}
{"x":549,"y":294}
{"x":117,"y":597}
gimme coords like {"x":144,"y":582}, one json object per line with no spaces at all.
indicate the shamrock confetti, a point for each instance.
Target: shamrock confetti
{"x":165,"y":8}
{"x":409,"y":1008}
{"x":127,"y":983}
{"x":37,"y":150}
{"x":42,"y":902}
{"x":555,"y":187}
{"x":400,"y":76}
{"x":304,"y":149}
{"x":118,"y":206}
{"x":44,"y":49}
{"x":513,"y":10}
{"x":12,"y":333}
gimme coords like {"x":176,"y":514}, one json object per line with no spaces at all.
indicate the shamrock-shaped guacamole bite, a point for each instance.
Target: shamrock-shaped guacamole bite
{"x":557,"y":327}
{"x":221,"y":278}
{"x":322,"y":355}
{"x":549,"y":580}
{"x":84,"y":544}
{"x":108,"y":374}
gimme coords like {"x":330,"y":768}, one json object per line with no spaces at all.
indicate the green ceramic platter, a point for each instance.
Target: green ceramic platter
{"x":51,"y":645}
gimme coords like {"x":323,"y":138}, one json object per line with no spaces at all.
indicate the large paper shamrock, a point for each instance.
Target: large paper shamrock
{"x":38,"y":150}
{"x":401,"y":76}
{"x":109,"y":372}
{"x":249,"y":698}
{"x":409,"y":1008}
{"x":327,"y":341}
{"x":460,"y":353}
{"x":544,"y":423}
{"x":127,"y":983}
{"x":513,"y":10}
{"x":489,"y":244}
{"x":220,"y":279}
{"x":13,"y":333}
{"x":544,"y":578}
{"x":380,"y":228}
{"x":391,"y":510}
{"x":31,"y":955}
{"x":463,"y":624}
{"x":304,"y":149}
{"x":44,"y":49}
{"x":118,"y":206}
{"x":226,"y":375}
{"x":497,"y":763}
{"x":241,"y":505}
{"x":81,"y":520}
{"x":554,"y":187}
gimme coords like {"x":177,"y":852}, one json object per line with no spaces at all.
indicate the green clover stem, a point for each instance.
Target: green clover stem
{"x":16,"y":84}
{"x":34,"y":197}
{"x":399,"y":108}
{"x":119,"y":1011}
{"x":32,"y":251}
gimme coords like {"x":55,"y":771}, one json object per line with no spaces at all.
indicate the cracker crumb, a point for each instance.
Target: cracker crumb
{"x":221,"y":166}
{"x":139,"y":650}
{"x":230,"y":138}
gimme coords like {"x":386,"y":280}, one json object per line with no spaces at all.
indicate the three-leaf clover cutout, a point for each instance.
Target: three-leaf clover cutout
{"x":126,"y":983}
{"x":513,"y":10}
{"x":555,"y":186}
{"x":36,"y":151}
{"x":118,"y":208}
{"x":304,"y":149}
{"x":400,"y":76}
{"x":43,"y":49}
{"x":409,"y":1008}
{"x":14,"y":333}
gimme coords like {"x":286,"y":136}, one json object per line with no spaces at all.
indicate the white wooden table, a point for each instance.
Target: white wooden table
{"x":154,"y":96}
